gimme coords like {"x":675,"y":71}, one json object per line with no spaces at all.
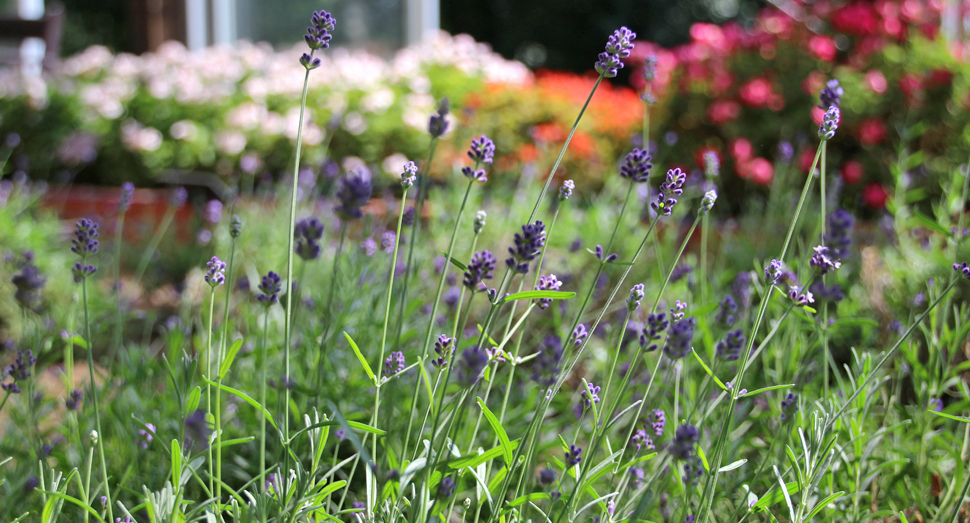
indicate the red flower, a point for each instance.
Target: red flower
{"x":761,"y":171}
{"x":874,"y":196}
{"x":741,"y":150}
{"x":723,"y":111}
{"x":911,"y":86}
{"x":756,"y":93}
{"x":853,"y":171}
{"x":872,"y":131}
{"x":822,"y":47}
{"x":856,"y":18}
{"x":939,"y":78}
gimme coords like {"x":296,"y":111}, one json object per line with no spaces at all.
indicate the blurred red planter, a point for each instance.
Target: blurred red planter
{"x":148,"y":209}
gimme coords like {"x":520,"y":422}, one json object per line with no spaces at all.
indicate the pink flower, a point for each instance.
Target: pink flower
{"x":911,"y":85}
{"x":761,"y":171}
{"x":875,"y":196}
{"x":741,"y":150}
{"x":876,"y":81}
{"x":872,"y":131}
{"x":856,"y":18}
{"x":756,"y":93}
{"x":822,"y":47}
{"x":853,"y":171}
{"x":723,"y":111}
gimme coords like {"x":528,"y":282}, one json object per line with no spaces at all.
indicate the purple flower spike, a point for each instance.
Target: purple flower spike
{"x":830,"y":123}
{"x":482,"y":150}
{"x":127,"y":193}
{"x":74,"y":400}
{"x":574,"y":456}
{"x":318,"y":34}
{"x":409,"y":175}
{"x":730,"y":347}
{"x":800,"y":299}
{"x":685,"y":437}
{"x":394,"y":364}
{"x":478,"y":175}
{"x":656,"y":325}
{"x":480,"y":268}
{"x":29,"y":282}
{"x":446,"y":488}
{"x":269,"y":289}
{"x":822,"y":262}
{"x":81,"y":271}
{"x":437,"y":124}
{"x":636,"y":166}
{"x":353,"y":192}
{"x":215,"y":275}
{"x":309,"y":62}
{"x":650,"y":67}
{"x":527,"y":246}
{"x":658,"y":420}
{"x":85,"y":241}
{"x":146,"y":434}
{"x":773,"y":272}
{"x":307,"y":233}
{"x":547,"y":283}
{"x":963,"y":269}
{"x":672,"y":186}
{"x":831,"y":94}
{"x":618,"y":47}
{"x":636,"y":295}
{"x":579,"y":334}
{"x":679,"y":338}
{"x":444,"y":347}
{"x":566,"y":190}
{"x":789,"y":406}
{"x":728,"y":310}
{"x":640,"y":439}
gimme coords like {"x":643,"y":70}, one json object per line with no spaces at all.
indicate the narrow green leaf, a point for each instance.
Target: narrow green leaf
{"x":708,"y":370}
{"x":176,"y":463}
{"x":784,"y":491}
{"x":766,"y":389}
{"x":931,"y":224}
{"x":487,"y":337}
{"x":193,"y":402}
{"x":363,"y":361}
{"x":732,"y":466}
{"x":243,"y":396}
{"x":461,"y":266}
{"x":949,"y":416}
{"x":75,"y":501}
{"x":822,"y":504}
{"x":522,"y":500}
{"x":532,"y":295}
{"x":700,"y":452}
{"x":503,"y":437}
{"x":230,"y":355}
{"x":79,"y":341}
{"x":474,"y":460}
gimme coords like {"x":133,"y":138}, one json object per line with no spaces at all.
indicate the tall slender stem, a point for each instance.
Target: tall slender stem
{"x":707,"y":497}
{"x":434,"y":309}
{"x":119,"y":318}
{"x":208,"y":377}
{"x":221,"y":358}
{"x":288,"y":314}
{"x":94,"y":393}
{"x":262,"y":401}
{"x":562,"y":152}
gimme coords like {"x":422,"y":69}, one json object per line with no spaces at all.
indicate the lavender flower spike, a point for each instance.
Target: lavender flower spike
{"x":822,"y":262}
{"x":215,"y":275}
{"x":618,"y":47}
{"x":636,"y":295}
{"x":831,"y":94}
{"x":354,"y":192}
{"x":527,"y":246}
{"x":962,"y":269}
{"x":85,"y":240}
{"x":707,"y":203}
{"x":712,"y":165}
{"x":566,"y":190}
{"x":269,"y":288}
{"x":672,"y":186}
{"x":127,"y":193}
{"x":409,"y":175}
{"x":547,"y":283}
{"x":480,"y":268}
{"x":318,"y":34}
{"x":636,"y":166}
{"x":482,"y":150}
{"x":830,"y":123}
{"x":437,"y":124}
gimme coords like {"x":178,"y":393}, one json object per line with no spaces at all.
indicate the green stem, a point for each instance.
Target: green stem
{"x":562,"y":152}
{"x":119,"y":227}
{"x":434,"y":309}
{"x":262,"y":401}
{"x":94,"y":392}
{"x":424,"y":183}
{"x":208,"y":377}
{"x":219,"y":362}
{"x":826,"y":357}
{"x":288,"y":315}
{"x":707,"y":497}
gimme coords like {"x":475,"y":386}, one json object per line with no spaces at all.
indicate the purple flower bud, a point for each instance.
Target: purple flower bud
{"x":85,"y":241}
{"x":480,"y":268}
{"x":527,"y":246}
{"x":479,"y":223}
{"x":394,"y":364}
{"x":438,"y":124}
{"x":215,"y":275}
{"x":636,"y":166}
{"x":127,"y":193}
{"x":830,"y":123}
{"x":679,"y":338}
{"x":831,"y":94}
{"x":409,"y":175}
{"x":269,"y":289}
{"x":566,"y":190}
{"x":636,"y":295}
{"x":482,"y":150}
{"x":672,"y":186}
{"x":573,"y":456}
{"x":822,"y":262}
{"x":729,"y":348}
{"x":444,"y":347}
{"x":685,"y":437}
{"x":963,"y":269}
{"x":353,"y":192}
{"x":547,"y":283}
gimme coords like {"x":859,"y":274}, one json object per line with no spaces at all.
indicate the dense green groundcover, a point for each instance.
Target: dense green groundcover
{"x":829,"y":387}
